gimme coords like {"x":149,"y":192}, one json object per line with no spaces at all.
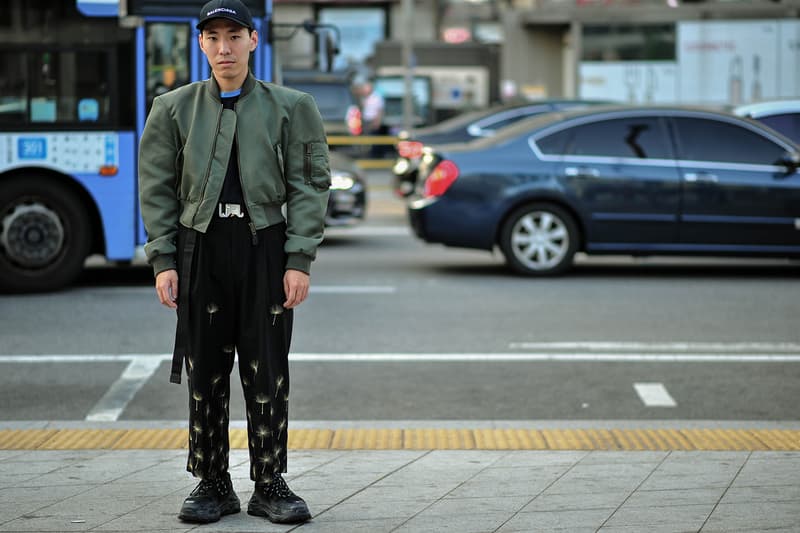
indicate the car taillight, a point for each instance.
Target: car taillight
{"x":441,"y":178}
{"x":410,"y":149}
{"x":354,"y":125}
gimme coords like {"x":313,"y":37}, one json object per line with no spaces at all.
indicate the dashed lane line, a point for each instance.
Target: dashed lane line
{"x":122,"y":391}
{"x":679,"y":347}
{"x":654,"y":395}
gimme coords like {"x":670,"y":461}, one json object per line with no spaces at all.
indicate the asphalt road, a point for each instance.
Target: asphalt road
{"x":398,"y":330}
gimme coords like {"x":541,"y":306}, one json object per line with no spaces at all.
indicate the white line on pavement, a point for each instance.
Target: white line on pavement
{"x":661,"y":346}
{"x":353,"y":289}
{"x":654,"y":395}
{"x":122,"y":391}
{"x":369,"y":231}
{"x":446,"y":357}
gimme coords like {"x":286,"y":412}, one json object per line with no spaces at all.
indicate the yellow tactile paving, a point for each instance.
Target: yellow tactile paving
{"x":423,"y":439}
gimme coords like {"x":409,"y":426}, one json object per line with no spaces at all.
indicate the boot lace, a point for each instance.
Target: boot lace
{"x":278,"y":488}
{"x":217,"y":486}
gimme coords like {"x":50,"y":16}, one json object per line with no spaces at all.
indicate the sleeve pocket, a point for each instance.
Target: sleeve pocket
{"x":315,"y":165}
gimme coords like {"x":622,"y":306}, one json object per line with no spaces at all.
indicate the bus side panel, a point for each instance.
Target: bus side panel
{"x":115,"y":196}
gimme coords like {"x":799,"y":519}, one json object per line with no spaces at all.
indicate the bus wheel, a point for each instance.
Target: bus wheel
{"x":44,"y":234}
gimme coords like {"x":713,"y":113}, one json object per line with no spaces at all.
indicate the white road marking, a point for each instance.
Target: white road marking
{"x":600,"y":346}
{"x":122,"y":391}
{"x":446,"y":357}
{"x":654,"y":395}
{"x":352,"y":289}
{"x":369,"y":231}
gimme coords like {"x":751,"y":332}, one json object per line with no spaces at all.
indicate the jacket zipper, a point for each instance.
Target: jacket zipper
{"x":307,"y":163}
{"x":253,"y":234}
{"x":211,"y":159}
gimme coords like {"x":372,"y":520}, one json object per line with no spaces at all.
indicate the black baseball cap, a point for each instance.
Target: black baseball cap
{"x":226,"y":9}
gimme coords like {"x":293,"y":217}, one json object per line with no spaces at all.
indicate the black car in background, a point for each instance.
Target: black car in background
{"x":347,"y":203}
{"x":615,"y":180}
{"x":464,"y":128}
{"x":781,"y":115}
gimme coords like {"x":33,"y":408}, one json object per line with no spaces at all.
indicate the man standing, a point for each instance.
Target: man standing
{"x":233,"y":181}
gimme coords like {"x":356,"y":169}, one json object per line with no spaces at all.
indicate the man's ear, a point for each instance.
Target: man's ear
{"x":200,"y":41}
{"x":253,"y":40}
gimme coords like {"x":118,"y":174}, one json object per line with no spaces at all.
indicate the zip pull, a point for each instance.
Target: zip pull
{"x":253,"y":235}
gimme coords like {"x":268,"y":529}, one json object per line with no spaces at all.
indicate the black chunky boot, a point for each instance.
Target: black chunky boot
{"x":278,"y":503}
{"x":211,"y":499}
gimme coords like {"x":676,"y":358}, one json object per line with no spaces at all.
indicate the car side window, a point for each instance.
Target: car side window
{"x":490,"y":125}
{"x":634,"y":137}
{"x":701,"y":139}
{"x":785,"y":123}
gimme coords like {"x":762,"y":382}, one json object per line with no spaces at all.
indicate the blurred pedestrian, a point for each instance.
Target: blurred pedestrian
{"x":220,"y":163}
{"x":372,"y":108}
{"x":372,"y":112}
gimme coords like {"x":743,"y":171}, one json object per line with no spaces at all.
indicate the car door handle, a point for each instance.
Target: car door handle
{"x":581,"y":172}
{"x":705,"y":177}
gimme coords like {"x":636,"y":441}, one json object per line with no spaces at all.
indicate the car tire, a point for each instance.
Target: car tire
{"x":45,"y":234}
{"x":539,"y":239}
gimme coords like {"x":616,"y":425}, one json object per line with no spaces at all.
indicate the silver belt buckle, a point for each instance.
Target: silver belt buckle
{"x":230,"y":210}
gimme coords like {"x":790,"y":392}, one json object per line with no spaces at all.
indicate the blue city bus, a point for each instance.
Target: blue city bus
{"x":77,"y":78}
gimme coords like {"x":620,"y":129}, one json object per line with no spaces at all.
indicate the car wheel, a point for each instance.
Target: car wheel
{"x":539,"y":239}
{"x":44,"y":234}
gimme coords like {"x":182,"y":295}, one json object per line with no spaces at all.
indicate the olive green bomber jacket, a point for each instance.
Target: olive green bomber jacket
{"x":282,"y":155}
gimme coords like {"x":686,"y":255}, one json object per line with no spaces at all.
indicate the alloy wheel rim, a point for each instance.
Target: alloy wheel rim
{"x":540,"y":240}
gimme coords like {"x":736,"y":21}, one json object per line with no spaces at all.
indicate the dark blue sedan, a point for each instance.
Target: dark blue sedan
{"x":615,"y":180}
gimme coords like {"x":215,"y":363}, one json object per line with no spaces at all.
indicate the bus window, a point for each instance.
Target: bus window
{"x":67,"y":87}
{"x":167,"y":58}
{"x":13,"y":89}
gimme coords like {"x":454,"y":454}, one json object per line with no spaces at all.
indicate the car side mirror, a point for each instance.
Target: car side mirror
{"x":790,"y":160}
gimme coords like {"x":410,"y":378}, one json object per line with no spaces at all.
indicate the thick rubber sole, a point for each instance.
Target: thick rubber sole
{"x":208,"y":514}
{"x":277,"y":516}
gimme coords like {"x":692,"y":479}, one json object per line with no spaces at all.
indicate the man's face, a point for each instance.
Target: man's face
{"x":227,"y":46}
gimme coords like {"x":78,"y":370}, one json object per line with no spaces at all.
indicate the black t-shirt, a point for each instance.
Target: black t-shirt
{"x":232,"y":186}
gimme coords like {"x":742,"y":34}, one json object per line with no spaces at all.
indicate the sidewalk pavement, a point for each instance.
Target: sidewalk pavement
{"x":418,"y":491}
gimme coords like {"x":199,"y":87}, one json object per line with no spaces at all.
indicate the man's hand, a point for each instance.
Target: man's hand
{"x":295,"y":285}
{"x":167,"y":288}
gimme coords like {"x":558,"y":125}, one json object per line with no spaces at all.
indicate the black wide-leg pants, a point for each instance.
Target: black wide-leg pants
{"x":235,"y":296}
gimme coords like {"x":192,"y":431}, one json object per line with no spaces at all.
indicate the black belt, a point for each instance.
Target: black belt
{"x":182,"y":329}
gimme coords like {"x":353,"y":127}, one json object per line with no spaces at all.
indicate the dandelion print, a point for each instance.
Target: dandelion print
{"x":254,"y":366}
{"x":211,"y":309}
{"x":262,"y":399}
{"x":278,"y":385}
{"x":264,"y":460}
{"x":198,"y":458}
{"x":197,"y":397}
{"x":281,"y":427}
{"x":197,"y":429}
{"x":276,"y":453}
{"x":262,"y":432}
{"x":190,"y":363}
{"x":275,"y":310}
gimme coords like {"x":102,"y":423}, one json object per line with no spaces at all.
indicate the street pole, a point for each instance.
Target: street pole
{"x":408,"y":63}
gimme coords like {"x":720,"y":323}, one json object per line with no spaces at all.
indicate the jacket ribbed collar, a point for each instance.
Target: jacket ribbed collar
{"x":213,"y":87}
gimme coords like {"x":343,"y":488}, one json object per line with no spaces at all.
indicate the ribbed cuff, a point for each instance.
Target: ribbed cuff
{"x":299,"y":262}
{"x":162,"y":262}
